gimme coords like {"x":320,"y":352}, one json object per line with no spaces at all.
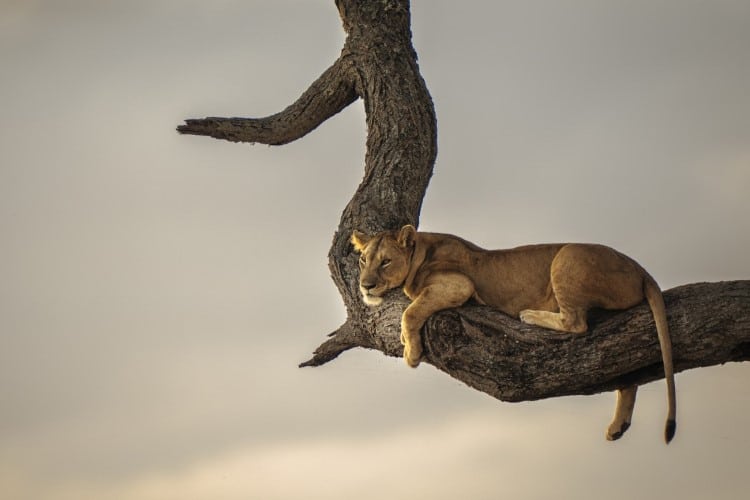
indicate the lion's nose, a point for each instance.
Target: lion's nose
{"x":368,"y":286}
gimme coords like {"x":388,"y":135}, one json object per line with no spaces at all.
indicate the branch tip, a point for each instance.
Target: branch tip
{"x":338,"y":342}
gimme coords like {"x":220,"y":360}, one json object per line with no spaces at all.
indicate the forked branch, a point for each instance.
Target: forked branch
{"x":709,"y":323}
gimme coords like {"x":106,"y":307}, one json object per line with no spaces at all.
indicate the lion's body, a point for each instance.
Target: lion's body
{"x":508,"y":280}
{"x":551,"y":285}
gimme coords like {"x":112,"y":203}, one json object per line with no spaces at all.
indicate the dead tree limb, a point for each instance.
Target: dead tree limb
{"x":328,"y":95}
{"x":710,"y":322}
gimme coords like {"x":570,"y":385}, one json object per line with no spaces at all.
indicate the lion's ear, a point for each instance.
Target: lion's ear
{"x":407,"y":236}
{"x":360,"y":240}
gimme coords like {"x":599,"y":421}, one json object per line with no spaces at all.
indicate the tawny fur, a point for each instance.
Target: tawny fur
{"x":551,"y":286}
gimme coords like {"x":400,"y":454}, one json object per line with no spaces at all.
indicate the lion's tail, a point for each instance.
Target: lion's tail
{"x":656,"y":302}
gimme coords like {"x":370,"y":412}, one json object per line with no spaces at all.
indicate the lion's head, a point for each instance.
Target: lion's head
{"x":384,"y":261}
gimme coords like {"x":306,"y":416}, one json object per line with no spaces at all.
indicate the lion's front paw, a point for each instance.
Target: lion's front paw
{"x":412,"y":354}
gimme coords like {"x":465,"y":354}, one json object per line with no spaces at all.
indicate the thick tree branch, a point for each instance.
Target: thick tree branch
{"x":512,"y":361}
{"x":328,"y":95}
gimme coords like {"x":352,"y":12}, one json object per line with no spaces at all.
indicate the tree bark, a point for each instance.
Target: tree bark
{"x":491,"y":352}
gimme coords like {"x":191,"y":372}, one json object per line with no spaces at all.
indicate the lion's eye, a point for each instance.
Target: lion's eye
{"x":385,"y":263}
{"x":362,"y":260}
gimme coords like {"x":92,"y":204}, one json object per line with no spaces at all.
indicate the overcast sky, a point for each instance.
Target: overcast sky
{"x":147,"y":348}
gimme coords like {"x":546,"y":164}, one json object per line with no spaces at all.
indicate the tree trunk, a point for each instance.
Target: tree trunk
{"x":491,"y":352}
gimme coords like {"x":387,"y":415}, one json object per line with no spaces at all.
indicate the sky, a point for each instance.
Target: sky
{"x":158,"y":291}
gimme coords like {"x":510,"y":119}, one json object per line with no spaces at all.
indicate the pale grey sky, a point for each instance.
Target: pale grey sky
{"x":146,"y":348}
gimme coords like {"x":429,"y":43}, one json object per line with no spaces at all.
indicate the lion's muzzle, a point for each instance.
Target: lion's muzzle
{"x":369,"y":295}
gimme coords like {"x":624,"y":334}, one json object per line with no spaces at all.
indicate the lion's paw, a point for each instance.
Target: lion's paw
{"x":526,"y":316}
{"x":412,"y":355}
{"x":616,"y":431}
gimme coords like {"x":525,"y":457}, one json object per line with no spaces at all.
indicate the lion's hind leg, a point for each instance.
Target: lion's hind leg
{"x":572,"y":282}
{"x":623,"y":412}
{"x":567,"y":320}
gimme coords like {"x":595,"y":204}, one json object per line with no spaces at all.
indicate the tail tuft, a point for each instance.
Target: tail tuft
{"x":669,"y":430}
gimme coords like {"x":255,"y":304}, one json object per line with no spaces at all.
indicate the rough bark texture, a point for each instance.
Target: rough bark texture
{"x":487,"y":350}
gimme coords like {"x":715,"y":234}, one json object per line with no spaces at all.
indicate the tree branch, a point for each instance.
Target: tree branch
{"x":328,"y":95}
{"x":339,"y":341}
{"x":513,"y":361}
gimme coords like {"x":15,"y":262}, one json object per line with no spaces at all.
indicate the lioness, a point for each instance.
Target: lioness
{"x":552,"y":286}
